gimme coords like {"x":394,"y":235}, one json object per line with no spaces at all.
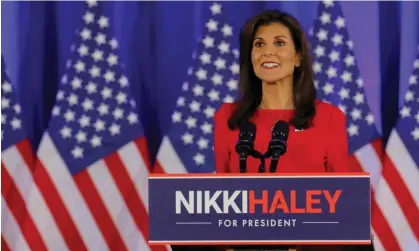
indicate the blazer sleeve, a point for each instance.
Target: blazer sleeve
{"x":221,"y":149}
{"x":337,"y":148}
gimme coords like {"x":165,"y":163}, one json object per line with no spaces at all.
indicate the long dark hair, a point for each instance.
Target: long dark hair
{"x":304,"y":92}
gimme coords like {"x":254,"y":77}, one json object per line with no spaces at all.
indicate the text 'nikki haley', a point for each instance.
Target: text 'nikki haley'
{"x":246,"y":201}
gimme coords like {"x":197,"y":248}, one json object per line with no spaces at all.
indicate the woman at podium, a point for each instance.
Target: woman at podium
{"x":277,"y":84}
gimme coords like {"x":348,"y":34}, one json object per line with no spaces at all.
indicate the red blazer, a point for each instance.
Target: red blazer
{"x":321,"y":148}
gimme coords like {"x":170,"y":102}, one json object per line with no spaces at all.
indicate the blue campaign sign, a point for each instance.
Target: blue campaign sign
{"x":259,"y":209}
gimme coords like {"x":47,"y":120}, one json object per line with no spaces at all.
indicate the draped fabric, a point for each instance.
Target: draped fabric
{"x":157,"y":40}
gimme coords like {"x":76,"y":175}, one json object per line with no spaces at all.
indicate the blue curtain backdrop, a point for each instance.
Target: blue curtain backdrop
{"x":157,"y":40}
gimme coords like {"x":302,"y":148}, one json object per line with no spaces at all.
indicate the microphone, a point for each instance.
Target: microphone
{"x":244,"y":146}
{"x":278,"y":144}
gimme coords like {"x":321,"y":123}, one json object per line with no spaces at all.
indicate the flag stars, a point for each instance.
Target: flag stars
{"x":115,"y":129}
{"x":416,"y":64}
{"x":217,"y":79}
{"x":214,"y":95}
{"x":89,"y":17}
{"x":212,"y":25}
{"x":224,"y":47}
{"x":340,"y":22}
{"x":65,"y":132}
{"x":319,"y":51}
{"x":112,"y":60}
{"x":103,"y":109}
{"x":96,"y":141}
{"x":228,"y":99}
{"x":86,"y":34}
{"x":359,"y":82}
{"x":413,"y":80}
{"x":109,"y":76}
{"x":56,"y":111}
{"x":409,"y":96}
{"x":325,"y":18}
{"x":334,"y":56}
{"x":356,"y":114}
{"x":317,"y":67}
{"x":205,"y":58}
{"x":3,"y":118}
{"x":185,"y":85}
{"x":99,"y":125}
{"x":208,"y":42}
{"x":106,"y":93}
{"x":201,"y":74}
{"x":359,"y":98}
{"x":77,"y":152}
{"x":69,"y":115}
{"x":342,"y":108}
{"x":97,"y":55}
{"x":209,"y":112}
{"x":84,"y":121}
{"x":92,"y":3}
{"x":94,"y":71}
{"x":113,"y":43}
{"x":103,"y":22}
{"x":198,"y":90}
{"x":215,"y":9}
{"x":190,"y":122}
{"x":81,"y":136}
{"x":235,"y":68}
{"x":91,"y":87}
{"x":417,"y":117}
{"x":16,"y":123}
{"x":6,"y":87}
{"x":5,"y":103}
{"x":180,"y":102}
{"x":322,"y":35}
{"x":349,"y":60}
{"x":202,"y":143}
{"x":344,"y":93}
{"x":72,"y":99}
{"x":328,"y":88}
{"x":337,"y":39}
{"x":370,"y":119}
{"x":187,"y":138}
{"x":83,"y":50}
{"x":232,"y":84}
{"x":227,"y":30}
{"x":176,"y":117}
{"x":220,"y":63}
{"x":353,"y":130}
{"x":331,"y":72}
{"x":79,"y":66}
{"x":60,"y":95}
{"x":123,"y":81}
{"x":199,"y":159}
{"x":100,"y":38}
{"x":405,"y":111}
{"x":121,"y":98}
{"x":346,"y":76}
{"x":195,"y":106}
{"x":118,"y":113}
{"x":415,"y":133}
{"x":328,"y":3}
{"x":206,"y":128}
{"x":132,"y":118}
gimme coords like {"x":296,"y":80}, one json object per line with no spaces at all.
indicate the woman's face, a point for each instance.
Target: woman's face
{"x":273,"y":53}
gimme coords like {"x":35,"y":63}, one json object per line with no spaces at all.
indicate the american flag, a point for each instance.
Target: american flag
{"x":211,"y":81}
{"x":92,"y":167}
{"x":17,"y":166}
{"x":399,"y":184}
{"x":338,"y":81}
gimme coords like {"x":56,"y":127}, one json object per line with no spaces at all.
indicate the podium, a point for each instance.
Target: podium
{"x":260,"y":209}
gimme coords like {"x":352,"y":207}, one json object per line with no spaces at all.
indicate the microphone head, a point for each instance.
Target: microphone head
{"x":247,"y":131}
{"x":281,"y":130}
{"x":247,"y":135}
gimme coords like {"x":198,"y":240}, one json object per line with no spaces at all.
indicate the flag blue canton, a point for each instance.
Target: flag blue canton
{"x":211,"y":81}
{"x":94,"y":114}
{"x":12,"y":130}
{"x":408,"y":123}
{"x":337,"y":77}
